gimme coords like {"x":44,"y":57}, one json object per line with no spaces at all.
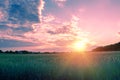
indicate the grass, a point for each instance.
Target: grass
{"x":101,"y":66}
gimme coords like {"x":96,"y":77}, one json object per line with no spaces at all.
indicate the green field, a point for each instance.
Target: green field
{"x":90,"y":66}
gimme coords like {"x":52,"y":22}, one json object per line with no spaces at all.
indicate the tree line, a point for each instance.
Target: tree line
{"x":112,"y":47}
{"x":23,"y":52}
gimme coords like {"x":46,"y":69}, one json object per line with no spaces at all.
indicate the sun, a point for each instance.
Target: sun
{"x":79,"y":46}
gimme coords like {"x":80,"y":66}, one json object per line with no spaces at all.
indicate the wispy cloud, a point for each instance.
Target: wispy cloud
{"x":3,"y":15}
{"x":60,"y":3}
{"x":41,"y":8}
{"x":5,"y":43}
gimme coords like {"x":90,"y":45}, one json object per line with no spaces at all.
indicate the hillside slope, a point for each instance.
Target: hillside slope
{"x":112,"y":47}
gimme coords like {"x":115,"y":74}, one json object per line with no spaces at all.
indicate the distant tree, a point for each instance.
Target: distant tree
{"x":11,"y":52}
{"x":112,"y":47}
{"x":46,"y":52}
{"x":1,"y":51}
{"x":6,"y":51}
{"x":25,"y":52}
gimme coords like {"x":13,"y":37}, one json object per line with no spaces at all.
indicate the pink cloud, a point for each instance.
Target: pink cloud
{"x":56,"y":34}
{"x":3,"y":15}
{"x":8,"y":34}
{"x":60,"y":3}
{"x":13,"y":25}
{"x":48,"y":18}
{"x":119,"y":33}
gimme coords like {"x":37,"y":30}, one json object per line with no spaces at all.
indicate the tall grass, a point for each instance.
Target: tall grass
{"x":59,"y":67}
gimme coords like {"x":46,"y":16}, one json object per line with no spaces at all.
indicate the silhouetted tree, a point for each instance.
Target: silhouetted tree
{"x":112,"y":47}
{"x":10,"y":52}
{"x":1,"y":51}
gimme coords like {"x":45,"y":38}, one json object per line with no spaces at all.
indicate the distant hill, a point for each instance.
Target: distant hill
{"x":112,"y":47}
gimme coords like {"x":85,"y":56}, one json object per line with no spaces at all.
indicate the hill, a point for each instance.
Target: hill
{"x":112,"y":47}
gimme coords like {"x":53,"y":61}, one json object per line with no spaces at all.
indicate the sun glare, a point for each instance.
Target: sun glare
{"x":79,"y":46}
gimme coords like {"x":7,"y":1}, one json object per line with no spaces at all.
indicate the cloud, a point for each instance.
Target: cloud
{"x":3,"y":15}
{"x":62,"y":30}
{"x":14,"y":33}
{"x":17,"y":17}
{"x":4,"y":43}
{"x":40,"y":9}
{"x":119,"y":33}
{"x":43,"y":22}
{"x":58,"y":34}
{"x":60,"y":3}
{"x":48,"y":18}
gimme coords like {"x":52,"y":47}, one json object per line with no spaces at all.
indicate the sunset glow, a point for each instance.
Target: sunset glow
{"x":79,"y":46}
{"x":53,"y":25}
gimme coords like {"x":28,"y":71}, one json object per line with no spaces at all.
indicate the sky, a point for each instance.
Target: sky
{"x":54,"y":25}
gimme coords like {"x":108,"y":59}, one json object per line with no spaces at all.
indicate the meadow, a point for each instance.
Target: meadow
{"x":74,"y":66}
